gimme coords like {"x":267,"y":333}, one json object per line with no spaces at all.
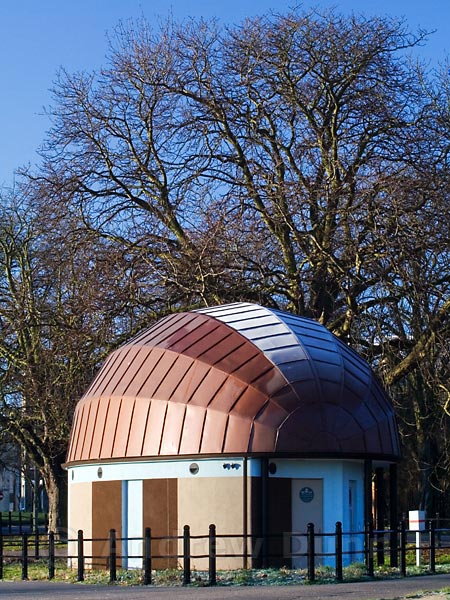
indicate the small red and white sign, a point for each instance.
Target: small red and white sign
{"x":417,"y":520}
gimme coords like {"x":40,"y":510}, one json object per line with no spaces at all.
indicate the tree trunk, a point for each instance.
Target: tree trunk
{"x":55,"y":479}
{"x":429,"y":480}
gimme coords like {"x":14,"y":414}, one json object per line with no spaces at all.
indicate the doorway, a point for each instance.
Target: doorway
{"x":307,"y":507}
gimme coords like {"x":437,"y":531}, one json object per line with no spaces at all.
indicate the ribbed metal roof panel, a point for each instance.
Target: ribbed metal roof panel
{"x":238,"y":378}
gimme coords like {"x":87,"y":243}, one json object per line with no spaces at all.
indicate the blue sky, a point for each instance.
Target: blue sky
{"x":39,"y":36}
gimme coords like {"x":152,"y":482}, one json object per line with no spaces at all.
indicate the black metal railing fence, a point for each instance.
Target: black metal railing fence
{"x":378,"y":545}
{"x":18,"y":522}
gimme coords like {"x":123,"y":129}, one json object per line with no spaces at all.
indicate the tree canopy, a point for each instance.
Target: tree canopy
{"x":297,"y":160}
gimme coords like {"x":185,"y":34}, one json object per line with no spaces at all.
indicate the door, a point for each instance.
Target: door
{"x":307,"y":507}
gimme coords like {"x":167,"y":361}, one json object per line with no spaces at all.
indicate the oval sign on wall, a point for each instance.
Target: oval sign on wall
{"x":306,"y":494}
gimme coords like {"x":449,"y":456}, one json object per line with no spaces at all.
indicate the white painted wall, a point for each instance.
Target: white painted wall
{"x":162,"y":469}
{"x":132,"y":523}
{"x":353,"y":542}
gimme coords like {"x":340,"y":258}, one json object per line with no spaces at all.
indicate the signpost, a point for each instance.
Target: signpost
{"x":417,"y":524}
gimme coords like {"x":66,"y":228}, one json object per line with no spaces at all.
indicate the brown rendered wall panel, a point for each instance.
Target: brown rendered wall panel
{"x":280,"y":520}
{"x":106,"y":515}
{"x":160,"y":497}
{"x":218,"y":500}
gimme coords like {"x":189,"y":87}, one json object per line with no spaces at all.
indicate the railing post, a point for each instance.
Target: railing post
{"x":36,"y":543}
{"x":311,"y":552}
{"x":80,"y":556}
{"x":112,"y":555}
{"x":1,"y":554}
{"x":338,"y":536}
{"x":212,"y":549}
{"x":432,"y":565}
{"x":147,"y":556}
{"x":186,"y":555}
{"x":437,"y":529}
{"x":403,"y":548}
{"x":51,"y":555}
{"x":393,"y":547}
{"x":24,"y":556}
{"x":369,"y":566}
{"x":10,"y":522}
{"x":20,"y":522}
{"x":380,"y":547}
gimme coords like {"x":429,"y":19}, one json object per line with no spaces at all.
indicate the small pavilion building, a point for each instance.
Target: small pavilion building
{"x":253,"y":419}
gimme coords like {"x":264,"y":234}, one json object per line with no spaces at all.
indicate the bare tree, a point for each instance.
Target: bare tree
{"x":66,"y":298}
{"x":294,"y":123}
{"x":300,"y":160}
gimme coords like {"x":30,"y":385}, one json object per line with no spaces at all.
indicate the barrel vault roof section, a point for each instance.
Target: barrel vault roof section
{"x":234,"y":379}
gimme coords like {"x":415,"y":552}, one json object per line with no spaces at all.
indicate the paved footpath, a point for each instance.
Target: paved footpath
{"x":367,"y":590}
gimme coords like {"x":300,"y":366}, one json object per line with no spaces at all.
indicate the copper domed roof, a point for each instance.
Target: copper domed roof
{"x":235,"y":379}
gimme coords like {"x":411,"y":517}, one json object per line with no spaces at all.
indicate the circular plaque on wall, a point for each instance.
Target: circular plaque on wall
{"x":306,"y":494}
